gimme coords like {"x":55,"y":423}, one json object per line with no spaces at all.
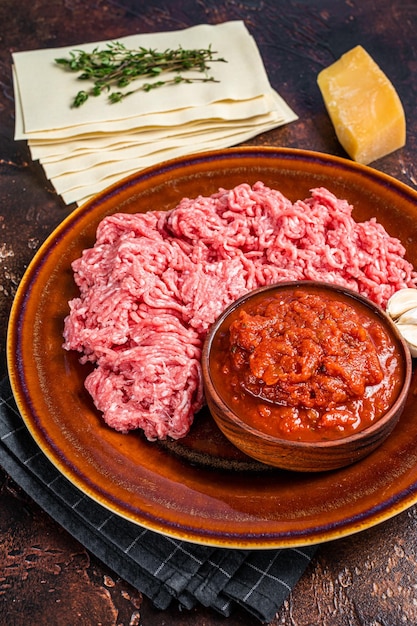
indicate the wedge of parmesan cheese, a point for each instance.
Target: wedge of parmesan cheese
{"x":363,"y":106}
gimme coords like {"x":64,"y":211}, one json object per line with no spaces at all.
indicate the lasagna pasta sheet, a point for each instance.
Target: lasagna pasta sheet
{"x":84,"y":149}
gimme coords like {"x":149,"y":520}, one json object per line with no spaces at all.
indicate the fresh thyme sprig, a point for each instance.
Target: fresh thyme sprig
{"x":116,"y":67}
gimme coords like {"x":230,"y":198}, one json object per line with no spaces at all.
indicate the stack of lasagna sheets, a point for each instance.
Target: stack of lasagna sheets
{"x":84,"y":150}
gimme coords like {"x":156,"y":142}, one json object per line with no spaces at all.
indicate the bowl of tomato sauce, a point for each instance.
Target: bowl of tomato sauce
{"x":305,"y":376}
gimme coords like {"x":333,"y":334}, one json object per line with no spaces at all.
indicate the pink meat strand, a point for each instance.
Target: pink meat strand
{"x":154,"y":283}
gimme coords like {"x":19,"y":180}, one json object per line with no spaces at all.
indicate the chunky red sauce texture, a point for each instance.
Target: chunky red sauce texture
{"x":307,"y":365}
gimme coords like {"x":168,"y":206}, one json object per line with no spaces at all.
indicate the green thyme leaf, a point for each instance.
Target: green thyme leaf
{"x":117,"y":67}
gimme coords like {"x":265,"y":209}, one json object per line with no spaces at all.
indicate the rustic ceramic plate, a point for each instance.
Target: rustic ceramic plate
{"x":201,"y":489}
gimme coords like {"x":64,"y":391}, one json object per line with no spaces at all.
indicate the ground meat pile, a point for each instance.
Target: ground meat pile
{"x":154,"y":283}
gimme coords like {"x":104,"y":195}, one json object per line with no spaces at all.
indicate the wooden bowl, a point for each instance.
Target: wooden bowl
{"x":316,"y":448}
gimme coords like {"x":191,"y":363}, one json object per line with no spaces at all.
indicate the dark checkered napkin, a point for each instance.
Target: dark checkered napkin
{"x":164,"y":569}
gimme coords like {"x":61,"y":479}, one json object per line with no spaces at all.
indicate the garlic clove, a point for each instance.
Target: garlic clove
{"x":401,"y":301}
{"x":409,"y":317}
{"x":409,"y":333}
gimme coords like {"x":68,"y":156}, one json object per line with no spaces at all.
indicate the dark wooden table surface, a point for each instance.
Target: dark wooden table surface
{"x":46,"y":577}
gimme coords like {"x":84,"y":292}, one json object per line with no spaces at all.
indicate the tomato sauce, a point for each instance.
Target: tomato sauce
{"x":306,"y":364}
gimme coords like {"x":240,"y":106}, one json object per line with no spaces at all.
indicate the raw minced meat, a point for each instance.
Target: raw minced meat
{"x":154,"y":283}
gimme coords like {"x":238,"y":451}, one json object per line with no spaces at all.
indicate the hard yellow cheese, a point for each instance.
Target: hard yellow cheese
{"x":363,"y":105}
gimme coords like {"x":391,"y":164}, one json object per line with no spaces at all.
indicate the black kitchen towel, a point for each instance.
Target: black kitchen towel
{"x":162,"y":568}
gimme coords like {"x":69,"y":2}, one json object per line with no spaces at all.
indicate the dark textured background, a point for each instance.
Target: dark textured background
{"x":45,"y":576}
